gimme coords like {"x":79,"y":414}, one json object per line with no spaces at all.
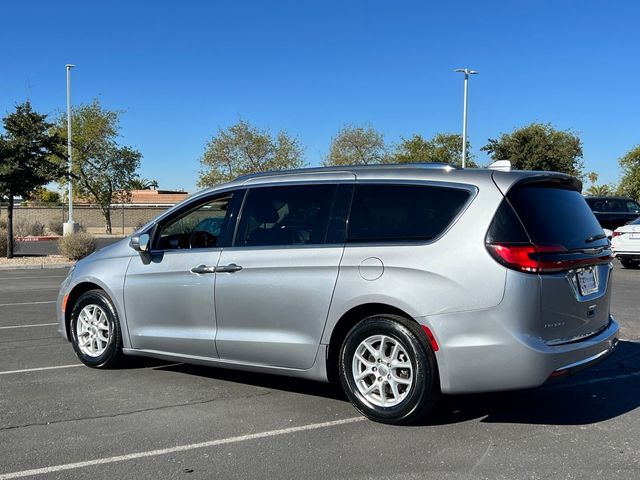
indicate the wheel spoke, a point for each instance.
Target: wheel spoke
{"x":383,"y":395}
{"x":400,"y":380}
{"x":371,"y":388}
{"x":364,"y":360}
{"x":394,"y":390}
{"x":364,"y":374}
{"x":372,"y":350}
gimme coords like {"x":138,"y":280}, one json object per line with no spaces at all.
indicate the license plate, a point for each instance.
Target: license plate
{"x":634,"y":235}
{"x":587,"y":281}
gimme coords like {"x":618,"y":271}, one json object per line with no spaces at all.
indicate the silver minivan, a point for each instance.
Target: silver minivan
{"x":401,"y":282}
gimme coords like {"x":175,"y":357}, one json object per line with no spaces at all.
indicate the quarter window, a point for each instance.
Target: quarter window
{"x":382,"y":213}
{"x":289,"y":215}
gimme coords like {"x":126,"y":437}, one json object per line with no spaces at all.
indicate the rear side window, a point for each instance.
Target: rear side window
{"x":556,"y":216}
{"x":283,"y":216}
{"x":390,"y":213}
{"x":506,"y":227}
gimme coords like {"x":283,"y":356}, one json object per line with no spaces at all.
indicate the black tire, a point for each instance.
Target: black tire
{"x":424,"y":388}
{"x":112,"y":355}
{"x":626,"y":263}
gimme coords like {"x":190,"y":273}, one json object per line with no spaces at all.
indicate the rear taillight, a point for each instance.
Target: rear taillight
{"x":616,"y":234}
{"x":528,"y":258}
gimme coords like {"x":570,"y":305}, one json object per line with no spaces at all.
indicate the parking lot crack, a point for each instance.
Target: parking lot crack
{"x":133,"y":412}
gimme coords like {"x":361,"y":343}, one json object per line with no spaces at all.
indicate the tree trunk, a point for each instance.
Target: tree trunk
{"x":10,"y":226}
{"x":107,"y":218}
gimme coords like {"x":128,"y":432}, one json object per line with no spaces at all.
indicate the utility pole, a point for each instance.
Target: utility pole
{"x":466,"y":72}
{"x":70,"y":226}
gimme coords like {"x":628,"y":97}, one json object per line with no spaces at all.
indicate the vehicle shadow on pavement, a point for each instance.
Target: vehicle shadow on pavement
{"x":275,"y":382}
{"x":600,"y":393}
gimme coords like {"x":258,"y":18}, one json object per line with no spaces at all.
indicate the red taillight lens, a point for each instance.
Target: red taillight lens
{"x":541,"y":259}
{"x":616,"y":234}
{"x":526,"y":258}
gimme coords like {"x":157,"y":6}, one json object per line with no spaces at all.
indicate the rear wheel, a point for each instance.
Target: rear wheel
{"x":95,"y":330}
{"x":388,"y":370}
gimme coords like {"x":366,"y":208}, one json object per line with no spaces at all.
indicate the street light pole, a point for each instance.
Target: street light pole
{"x":466,"y":72}
{"x":70,"y":226}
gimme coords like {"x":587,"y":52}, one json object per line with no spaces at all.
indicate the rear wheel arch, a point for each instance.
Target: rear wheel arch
{"x":348,"y":320}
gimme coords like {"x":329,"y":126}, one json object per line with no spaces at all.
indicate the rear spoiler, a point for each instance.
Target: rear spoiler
{"x":505,"y":181}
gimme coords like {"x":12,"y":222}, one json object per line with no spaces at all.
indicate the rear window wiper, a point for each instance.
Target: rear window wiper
{"x":593,"y":238}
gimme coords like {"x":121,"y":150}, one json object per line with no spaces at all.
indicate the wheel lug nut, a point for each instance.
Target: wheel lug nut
{"x":379,"y":379}
{"x":388,"y":376}
{"x":379,"y":360}
{"x":374,"y":369}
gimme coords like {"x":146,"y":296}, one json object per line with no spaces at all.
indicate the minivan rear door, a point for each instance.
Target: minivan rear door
{"x":573,"y":258}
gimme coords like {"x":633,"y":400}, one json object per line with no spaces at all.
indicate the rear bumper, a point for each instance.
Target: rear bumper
{"x":499,"y":360}
{"x":630,"y":255}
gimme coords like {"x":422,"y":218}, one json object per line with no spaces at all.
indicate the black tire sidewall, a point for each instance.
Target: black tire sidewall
{"x":423,"y":389}
{"x":111,"y":355}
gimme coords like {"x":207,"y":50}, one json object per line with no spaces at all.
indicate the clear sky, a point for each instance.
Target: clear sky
{"x":184,"y":69}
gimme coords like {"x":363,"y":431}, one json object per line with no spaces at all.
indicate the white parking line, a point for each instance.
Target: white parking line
{"x":24,"y":303}
{"x":32,"y":278}
{"x":179,"y":448}
{"x":8,"y":372}
{"x":27,"y":326}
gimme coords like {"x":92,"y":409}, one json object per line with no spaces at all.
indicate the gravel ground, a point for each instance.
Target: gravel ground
{"x":17,"y":262}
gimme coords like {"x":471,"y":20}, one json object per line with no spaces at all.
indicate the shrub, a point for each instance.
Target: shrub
{"x":36,"y":229}
{"x":3,"y":223}
{"x":22,"y":228}
{"x":55,"y":226}
{"x":3,"y":242}
{"x":76,"y":246}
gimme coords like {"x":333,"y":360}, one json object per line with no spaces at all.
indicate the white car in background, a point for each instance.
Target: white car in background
{"x":625,"y":244}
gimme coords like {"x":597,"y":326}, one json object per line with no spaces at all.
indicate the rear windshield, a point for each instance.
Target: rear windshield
{"x":556,"y":216}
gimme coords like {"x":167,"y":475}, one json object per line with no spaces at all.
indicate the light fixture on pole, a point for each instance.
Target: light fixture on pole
{"x":466,"y":72}
{"x":70,"y":226}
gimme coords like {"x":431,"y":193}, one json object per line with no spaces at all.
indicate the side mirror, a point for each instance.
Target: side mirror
{"x":140,"y":243}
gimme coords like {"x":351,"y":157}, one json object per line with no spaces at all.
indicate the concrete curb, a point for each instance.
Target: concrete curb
{"x":36,"y":266}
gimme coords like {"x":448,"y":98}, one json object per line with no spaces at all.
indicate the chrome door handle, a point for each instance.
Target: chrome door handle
{"x":203,"y":269}
{"x":232,"y":267}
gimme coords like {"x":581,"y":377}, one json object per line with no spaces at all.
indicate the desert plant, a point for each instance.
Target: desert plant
{"x":55,"y":227}
{"x":23,"y":228}
{"x":77,"y":245}
{"x":3,"y":242}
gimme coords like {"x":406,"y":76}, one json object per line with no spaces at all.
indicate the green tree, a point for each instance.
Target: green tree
{"x":101,"y":168}
{"x":441,"y":148}
{"x":539,"y":147}
{"x":242,"y":149}
{"x":598,"y":190}
{"x":630,"y":166}
{"x":140,"y":183}
{"x":357,"y":146}
{"x":44,"y":195}
{"x":28,"y":151}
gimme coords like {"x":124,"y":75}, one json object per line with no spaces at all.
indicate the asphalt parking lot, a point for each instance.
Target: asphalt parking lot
{"x":155,"y":420}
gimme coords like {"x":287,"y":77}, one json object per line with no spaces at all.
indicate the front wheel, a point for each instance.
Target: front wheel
{"x":95,"y":330}
{"x":388,"y":370}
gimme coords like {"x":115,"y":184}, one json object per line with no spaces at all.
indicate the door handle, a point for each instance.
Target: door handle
{"x":232,"y":267}
{"x":203,"y":269}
